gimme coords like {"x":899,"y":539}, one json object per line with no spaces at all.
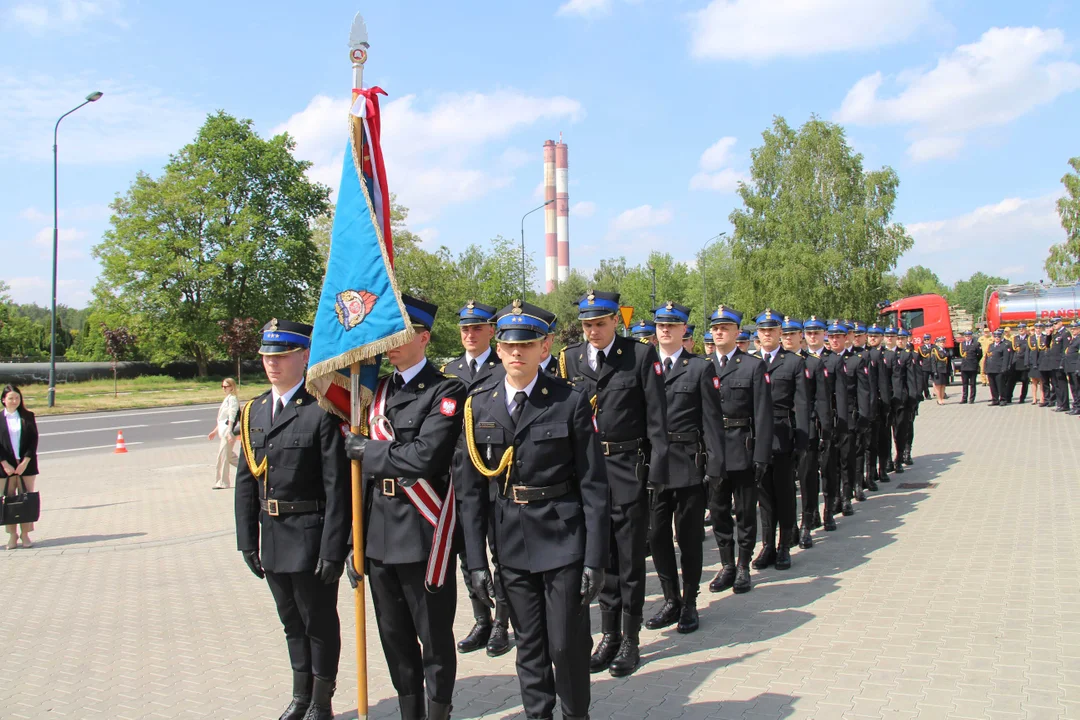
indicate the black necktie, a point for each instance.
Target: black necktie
{"x":723,"y":361}
{"x":519,"y":403}
{"x":667,"y":364}
{"x":601,"y":356}
{"x":278,"y":407}
{"x":472,"y":367}
{"x":396,"y":383}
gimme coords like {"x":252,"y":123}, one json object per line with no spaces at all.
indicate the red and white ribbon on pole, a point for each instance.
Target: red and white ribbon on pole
{"x":442,"y":516}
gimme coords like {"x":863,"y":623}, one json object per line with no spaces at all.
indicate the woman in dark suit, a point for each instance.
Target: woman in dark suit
{"x":18,"y":455}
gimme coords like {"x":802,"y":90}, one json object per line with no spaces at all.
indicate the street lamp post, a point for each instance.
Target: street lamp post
{"x":523,"y":244}
{"x":704,"y":286}
{"x":92,"y":97}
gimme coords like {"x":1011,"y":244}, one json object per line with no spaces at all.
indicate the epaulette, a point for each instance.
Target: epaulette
{"x":561,"y":381}
{"x":490,"y":384}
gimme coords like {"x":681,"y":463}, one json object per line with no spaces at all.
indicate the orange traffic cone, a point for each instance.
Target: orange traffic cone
{"x":120,"y":446}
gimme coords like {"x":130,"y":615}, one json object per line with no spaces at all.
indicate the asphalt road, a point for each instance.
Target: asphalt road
{"x":143,"y":429}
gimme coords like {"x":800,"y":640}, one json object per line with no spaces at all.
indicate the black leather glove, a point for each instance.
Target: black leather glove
{"x":350,"y":572}
{"x":592,"y":579}
{"x":329,"y":571}
{"x":354,"y":446}
{"x":482,"y":586}
{"x":760,"y":469}
{"x":251,"y":557}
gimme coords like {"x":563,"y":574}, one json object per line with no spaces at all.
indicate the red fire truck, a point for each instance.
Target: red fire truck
{"x":927,"y":314}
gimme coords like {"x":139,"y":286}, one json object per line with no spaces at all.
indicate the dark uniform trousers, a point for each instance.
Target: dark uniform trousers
{"x":303,"y":451}
{"x":460,"y":368}
{"x":544,"y":543}
{"x":696,"y":433}
{"x":630,"y":408}
{"x":777,"y":496}
{"x":416,"y":626}
{"x":968,"y":379}
{"x":748,"y":418}
{"x":882,"y":437}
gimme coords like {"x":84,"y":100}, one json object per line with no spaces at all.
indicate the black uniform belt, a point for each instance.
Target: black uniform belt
{"x":684,"y":437}
{"x":737,"y":422}
{"x":614,"y":448}
{"x":274,"y":508}
{"x":782,"y":414}
{"x":525,"y":494}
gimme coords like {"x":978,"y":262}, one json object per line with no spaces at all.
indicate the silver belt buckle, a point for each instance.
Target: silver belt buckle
{"x":514,"y":495}
{"x":272,"y":508}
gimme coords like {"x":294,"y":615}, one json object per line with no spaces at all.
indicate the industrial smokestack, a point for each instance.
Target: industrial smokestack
{"x":551,"y":258}
{"x":562,"y":209}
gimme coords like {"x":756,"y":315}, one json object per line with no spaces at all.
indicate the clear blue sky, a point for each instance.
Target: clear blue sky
{"x":973,"y":102}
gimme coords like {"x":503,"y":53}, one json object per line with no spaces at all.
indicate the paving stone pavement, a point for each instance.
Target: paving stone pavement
{"x":960,"y":600}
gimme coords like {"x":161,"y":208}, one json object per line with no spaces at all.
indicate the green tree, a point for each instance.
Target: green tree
{"x":968,"y":294}
{"x":814,"y":235}
{"x":1063,"y":263}
{"x":225,"y":232}
{"x":919,"y":280}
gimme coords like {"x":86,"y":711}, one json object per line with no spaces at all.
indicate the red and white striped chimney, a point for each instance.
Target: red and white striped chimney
{"x":551,"y":258}
{"x":562,"y":209}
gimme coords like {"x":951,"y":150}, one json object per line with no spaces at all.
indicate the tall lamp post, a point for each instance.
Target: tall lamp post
{"x":523,"y":244}
{"x":92,"y":97}
{"x":704,"y":285}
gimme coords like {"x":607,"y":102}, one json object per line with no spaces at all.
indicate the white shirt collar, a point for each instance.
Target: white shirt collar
{"x":593,"y":351}
{"x":285,"y":398}
{"x":480,"y":359}
{"x":545,"y":362}
{"x":730,"y":354}
{"x":8,"y":414}
{"x":674,"y":356}
{"x":511,"y":391}
{"x":770,"y":356}
{"x":409,"y":373}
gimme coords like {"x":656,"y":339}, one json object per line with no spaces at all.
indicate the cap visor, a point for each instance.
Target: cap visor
{"x":279,"y":349}
{"x":519,"y":335}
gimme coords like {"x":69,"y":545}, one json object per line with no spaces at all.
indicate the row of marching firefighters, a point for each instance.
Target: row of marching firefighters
{"x":568,"y":472}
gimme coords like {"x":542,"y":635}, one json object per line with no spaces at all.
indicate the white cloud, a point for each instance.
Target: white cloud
{"x":428,"y":234}
{"x":538,"y":191}
{"x":431,"y":154}
{"x":990,"y":236}
{"x":1005,"y":74}
{"x":713,"y":173}
{"x":37,"y":289}
{"x":584,"y":8}
{"x":514,"y":157}
{"x":758,"y":30}
{"x":129,"y":122}
{"x":640,"y":218}
{"x":77,"y":214}
{"x":584,"y":208}
{"x":71,"y":242}
{"x":65,"y":15}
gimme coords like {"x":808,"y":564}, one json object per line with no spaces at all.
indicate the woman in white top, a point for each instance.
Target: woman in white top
{"x":18,"y":455}
{"x":226,"y":416}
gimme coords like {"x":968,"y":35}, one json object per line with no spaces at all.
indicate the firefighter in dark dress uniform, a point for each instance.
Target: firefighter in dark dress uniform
{"x":998,"y":359}
{"x":1070,"y":363}
{"x":1061,"y":339}
{"x":748,"y":444}
{"x":884,"y":361}
{"x":709,"y":347}
{"x":970,"y":356}
{"x":901,"y":357}
{"x":925,"y":366}
{"x":821,"y":392}
{"x":548,"y":363}
{"x":530,"y":437}
{"x":624,"y":380}
{"x":867,"y":387}
{"x":695,"y":431}
{"x":423,"y":411}
{"x":644,"y":332}
{"x":910,"y":362}
{"x":1020,"y":363}
{"x":785,"y":373}
{"x":292,"y":494}
{"x":687,"y":339}
{"x":476,"y":322}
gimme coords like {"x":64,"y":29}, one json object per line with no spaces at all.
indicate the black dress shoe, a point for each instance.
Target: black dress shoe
{"x":994,"y":402}
{"x":301,"y":697}
{"x":817,"y":519}
{"x":667,"y":616}
{"x":838,"y":505}
{"x":963,"y":401}
{"x":907,"y":458}
{"x":830,"y":522}
{"x":889,"y":466}
{"x":899,"y":469}
{"x":321,"y":693}
{"x":783,"y":558}
{"x":688,"y":619}
{"x":627,"y":659}
{"x":605,"y":652}
{"x":805,"y":540}
{"x":499,"y":642}
{"x":847,"y":509}
{"x":765,"y":558}
{"x":477,"y":637}
{"x":870,"y":484}
{"x":742,"y":580}
{"x":859,"y":495}
{"x":724,"y":579}
{"x":884,"y":477}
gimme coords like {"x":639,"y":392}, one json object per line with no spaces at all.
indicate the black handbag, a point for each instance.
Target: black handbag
{"x":22,"y":507}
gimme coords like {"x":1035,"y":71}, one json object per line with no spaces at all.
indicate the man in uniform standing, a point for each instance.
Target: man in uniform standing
{"x":925,"y":366}
{"x":867,"y":388}
{"x":644,"y":332}
{"x":970,"y":357}
{"x":997,"y":363}
{"x":1061,"y":341}
{"x":414,"y":423}
{"x":687,"y":339}
{"x":530,"y":438}
{"x":548,"y":364}
{"x":748,"y":430}
{"x":709,"y":347}
{"x":1020,"y":363}
{"x":624,"y":380}
{"x":292,"y":493}
{"x":785,"y":373}
{"x":476,"y":322}
{"x":1070,"y":363}
{"x":743,"y":341}
{"x":884,"y":361}
{"x":900,"y":357}
{"x":695,"y":431}
{"x":821,"y":388}
{"x":845,"y":372}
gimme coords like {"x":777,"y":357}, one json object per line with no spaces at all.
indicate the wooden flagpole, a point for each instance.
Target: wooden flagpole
{"x":358,"y":47}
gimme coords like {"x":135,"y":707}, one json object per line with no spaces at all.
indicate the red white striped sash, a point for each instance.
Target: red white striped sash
{"x":442,"y":516}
